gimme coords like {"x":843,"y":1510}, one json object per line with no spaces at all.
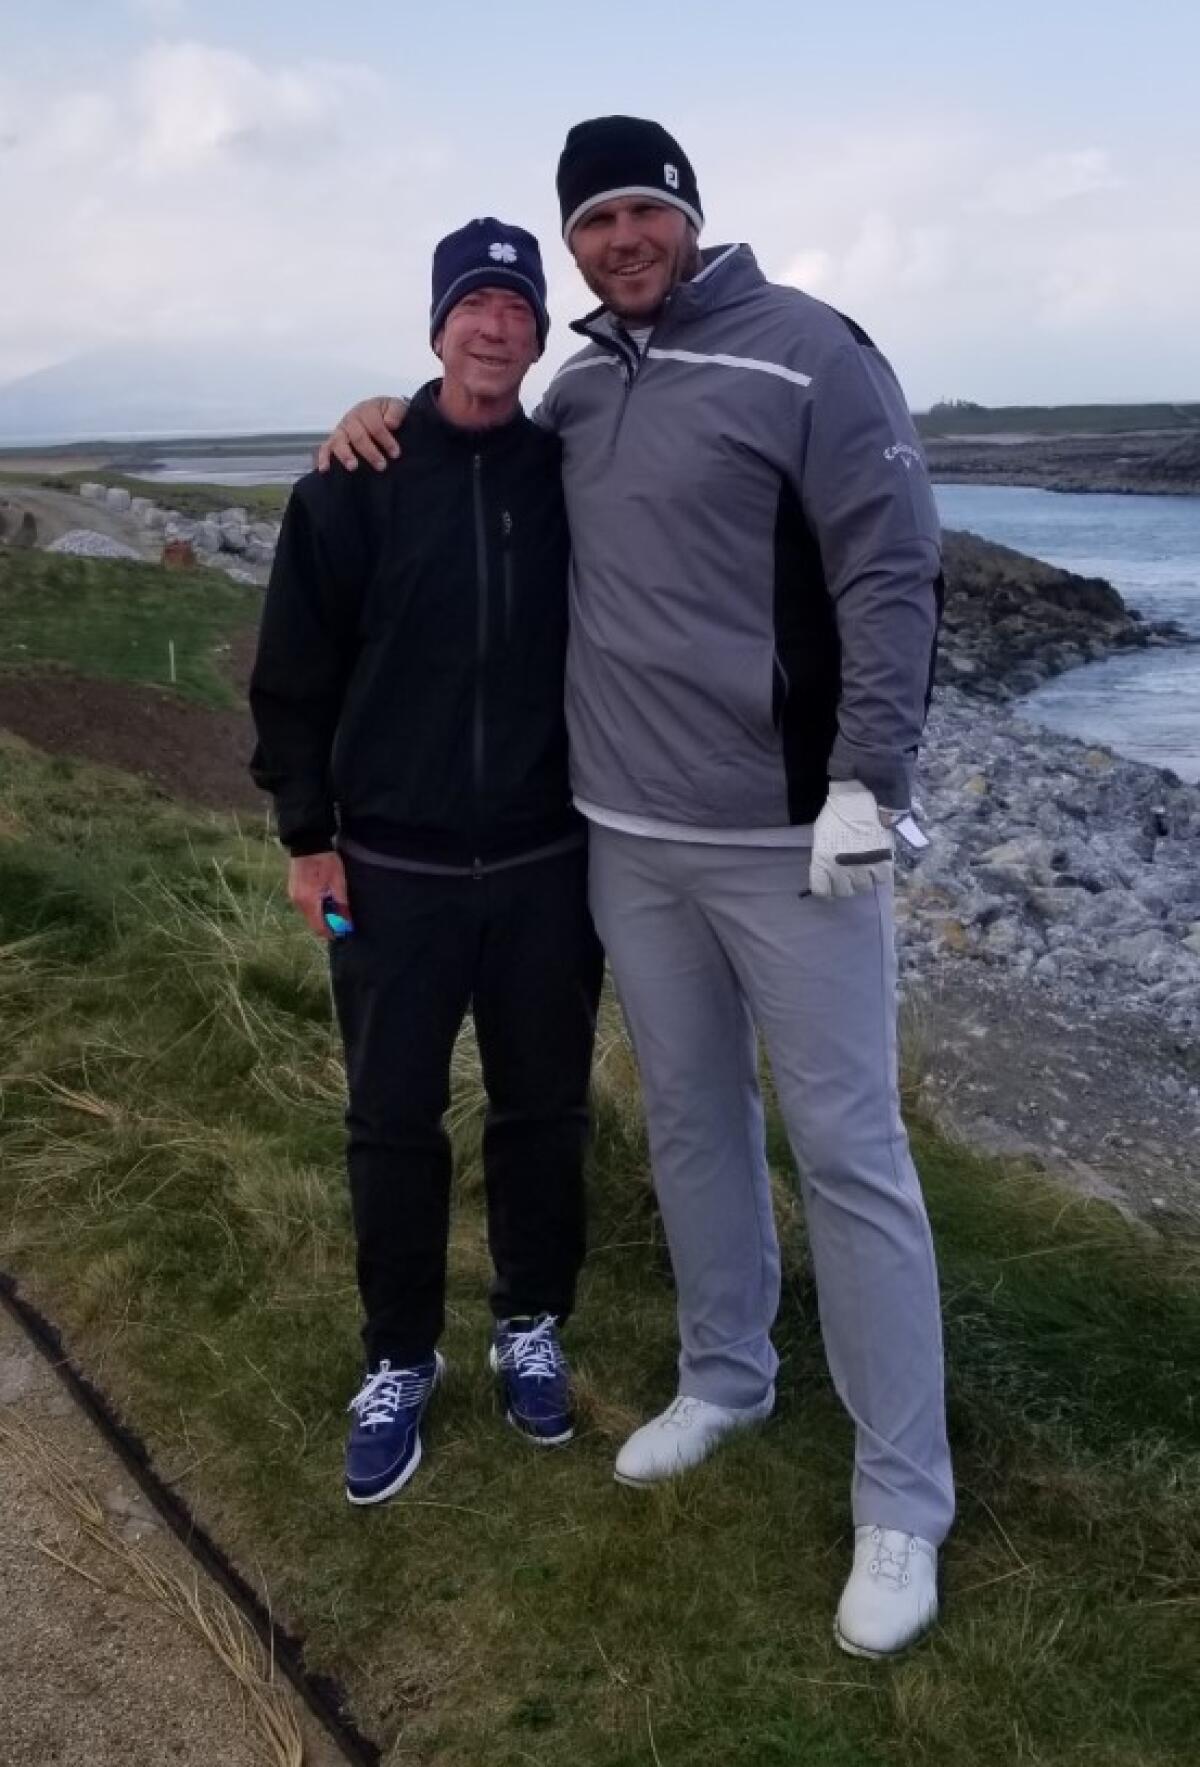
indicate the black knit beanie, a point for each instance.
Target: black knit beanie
{"x":608,"y":157}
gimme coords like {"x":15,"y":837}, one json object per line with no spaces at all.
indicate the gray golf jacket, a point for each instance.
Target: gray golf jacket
{"x":756,"y":580}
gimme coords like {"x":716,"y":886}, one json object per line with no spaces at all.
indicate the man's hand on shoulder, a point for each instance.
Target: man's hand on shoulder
{"x":852,"y":846}
{"x":366,"y":431}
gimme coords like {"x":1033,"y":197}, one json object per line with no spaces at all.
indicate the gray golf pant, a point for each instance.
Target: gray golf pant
{"x":705,"y":944}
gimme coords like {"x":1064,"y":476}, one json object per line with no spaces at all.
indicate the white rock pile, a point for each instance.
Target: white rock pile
{"x":86,"y":543}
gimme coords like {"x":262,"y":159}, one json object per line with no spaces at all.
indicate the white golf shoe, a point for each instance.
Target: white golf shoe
{"x":682,"y":1436}
{"x":890,"y":1599}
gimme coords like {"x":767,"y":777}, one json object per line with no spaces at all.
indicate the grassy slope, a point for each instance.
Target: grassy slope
{"x":1057,"y":420}
{"x":114,"y":619}
{"x":171,"y":1191}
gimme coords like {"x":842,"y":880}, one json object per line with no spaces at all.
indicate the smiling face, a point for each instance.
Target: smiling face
{"x":487,"y":345}
{"x":632,"y":252}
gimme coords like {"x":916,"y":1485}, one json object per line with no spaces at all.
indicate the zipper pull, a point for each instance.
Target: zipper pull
{"x":506,"y":524}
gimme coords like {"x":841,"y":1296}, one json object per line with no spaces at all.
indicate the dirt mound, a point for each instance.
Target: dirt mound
{"x":189,"y":751}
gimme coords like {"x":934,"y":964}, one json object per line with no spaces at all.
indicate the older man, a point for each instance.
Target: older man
{"x":755,"y":597}
{"x":408,"y":701}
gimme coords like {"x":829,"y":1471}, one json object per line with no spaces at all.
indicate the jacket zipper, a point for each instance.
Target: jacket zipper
{"x":481,"y":646}
{"x":629,"y":359}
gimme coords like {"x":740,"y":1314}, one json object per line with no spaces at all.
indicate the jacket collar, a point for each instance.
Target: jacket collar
{"x":440,"y":432}
{"x":727,"y":274}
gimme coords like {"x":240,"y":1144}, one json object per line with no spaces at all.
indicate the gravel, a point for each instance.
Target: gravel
{"x":87,"y":543}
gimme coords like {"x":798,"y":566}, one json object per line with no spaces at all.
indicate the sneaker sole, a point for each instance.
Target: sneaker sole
{"x":399,"y":1482}
{"x":538,"y":1441}
{"x":881,"y":1656}
{"x":528,"y":1435}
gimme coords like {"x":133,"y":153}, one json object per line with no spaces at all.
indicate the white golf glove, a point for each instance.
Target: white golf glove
{"x":852,"y":848}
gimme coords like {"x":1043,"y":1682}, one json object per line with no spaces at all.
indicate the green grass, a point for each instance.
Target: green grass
{"x":261,"y":502}
{"x":111,"y":619}
{"x":171,"y":1192}
{"x":1055,"y":420}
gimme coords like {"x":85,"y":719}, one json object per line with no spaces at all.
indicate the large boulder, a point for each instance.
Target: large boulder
{"x":233,"y":538}
{"x":206,"y":537}
{"x":117,"y":497}
{"x":92,"y":493}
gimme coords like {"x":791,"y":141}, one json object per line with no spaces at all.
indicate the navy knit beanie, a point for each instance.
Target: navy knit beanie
{"x":488,"y":254}
{"x":608,"y":157}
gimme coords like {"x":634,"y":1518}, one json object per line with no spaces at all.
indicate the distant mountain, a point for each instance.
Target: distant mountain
{"x":130,"y":391}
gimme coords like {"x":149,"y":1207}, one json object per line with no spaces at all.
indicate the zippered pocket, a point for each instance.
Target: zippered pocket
{"x":506,"y":527}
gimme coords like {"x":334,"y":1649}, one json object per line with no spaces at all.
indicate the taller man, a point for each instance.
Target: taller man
{"x":754,"y":605}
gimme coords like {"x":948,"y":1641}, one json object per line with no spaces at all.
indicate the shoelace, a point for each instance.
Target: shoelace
{"x":889,"y":1564}
{"x":679,"y":1412}
{"x":534,"y":1354}
{"x":388,"y":1391}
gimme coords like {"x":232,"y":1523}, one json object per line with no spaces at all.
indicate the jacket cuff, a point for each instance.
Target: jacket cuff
{"x":889,"y":777}
{"x":306,"y":842}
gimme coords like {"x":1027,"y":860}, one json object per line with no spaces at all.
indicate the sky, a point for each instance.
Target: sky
{"x":1006,"y":196}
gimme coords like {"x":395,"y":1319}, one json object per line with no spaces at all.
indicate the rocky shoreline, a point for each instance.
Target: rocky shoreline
{"x":1145,"y":463}
{"x":1050,"y":937}
{"x":1011,"y":622}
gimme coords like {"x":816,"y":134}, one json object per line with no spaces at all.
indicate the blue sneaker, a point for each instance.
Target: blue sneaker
{"x":384,"y":1448}
{"x":528,"y":1358}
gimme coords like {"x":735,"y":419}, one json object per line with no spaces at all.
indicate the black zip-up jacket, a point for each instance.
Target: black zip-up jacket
{"x":408,"y":688}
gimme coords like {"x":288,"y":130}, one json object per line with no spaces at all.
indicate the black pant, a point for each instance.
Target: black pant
{"x":518,"y":947}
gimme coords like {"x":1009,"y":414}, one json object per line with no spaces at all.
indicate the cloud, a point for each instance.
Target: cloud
{"x":200,"y":193}
{"x":1050,"y":180}
{"x":197,"y":104}
{"x":813,"y":271}
{"x":193,"y":192}
{"x":158,"y":12}
{"x":1057,"y":276}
